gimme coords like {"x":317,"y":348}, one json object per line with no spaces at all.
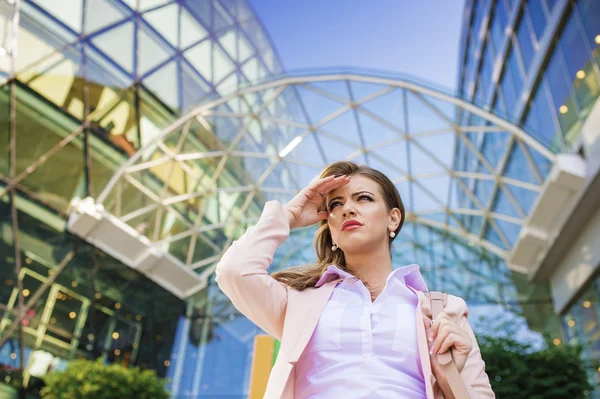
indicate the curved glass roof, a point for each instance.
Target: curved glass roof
{"x":197,"y":186}
{"x":179,"y":51}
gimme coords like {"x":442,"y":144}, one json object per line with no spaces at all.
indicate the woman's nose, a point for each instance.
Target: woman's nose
{"x":349,"y":209}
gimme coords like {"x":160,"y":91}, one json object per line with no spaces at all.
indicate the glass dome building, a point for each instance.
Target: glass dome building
{"x":144,"y":136}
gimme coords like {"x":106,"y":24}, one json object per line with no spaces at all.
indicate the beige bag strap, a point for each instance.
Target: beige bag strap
{"x":456,"y":387}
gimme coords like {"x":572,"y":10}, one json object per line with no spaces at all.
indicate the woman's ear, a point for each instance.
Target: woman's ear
{"x":395,"y":218}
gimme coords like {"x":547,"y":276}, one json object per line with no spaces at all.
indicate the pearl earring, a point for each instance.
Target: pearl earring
{"x":392,"y":234}
{"x":334,"y":247}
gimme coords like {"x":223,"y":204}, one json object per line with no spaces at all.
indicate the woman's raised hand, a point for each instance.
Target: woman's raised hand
{"x":303,"y":209}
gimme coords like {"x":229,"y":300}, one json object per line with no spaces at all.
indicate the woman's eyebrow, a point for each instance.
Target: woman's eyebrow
{"x":354,"y":195}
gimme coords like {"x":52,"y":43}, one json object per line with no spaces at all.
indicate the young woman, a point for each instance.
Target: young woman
{"x":349,"y":326}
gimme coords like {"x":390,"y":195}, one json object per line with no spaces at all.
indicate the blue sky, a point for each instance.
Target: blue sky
{"x":419,"y":38}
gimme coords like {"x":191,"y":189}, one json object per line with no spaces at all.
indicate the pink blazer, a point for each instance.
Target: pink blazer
{"x":291,"y":316}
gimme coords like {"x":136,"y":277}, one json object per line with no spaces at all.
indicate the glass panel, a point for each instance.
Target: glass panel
{"x":196,"y":89}
{"x":223,"y":66}
{"x":116,"y":119}
{"x":557,"y":80}
{"x":480,"y":9}
{"x":192,"y":30}
{"x":221,"y":16}
{"x":152,"y":51}
{"x":164,"y":83}
{"x":541,"y":117}
{"x":244,"y":48}
{"x":512,"y":82}
{"x":525,"y":39}
{"x":509,"y":94}
{"x":68,"y":311}
{"x":200,"y":57}
{"x":494,"y":147}
{"x":581,"y":323}
{"x":485,"y":75}
{"x":148,"y":4}
{"x":58,"y":79}
{"x":579,"y":66}
{"x":518,"y":167}
{"x":469,"y":74}
{"x":535,"y":11}
{"x":499,"y":24}
{"x":71,"y":15}
{"x":101,"y":13}
{"x":59,"y":178}
{"x":165,"y":21}
{"x":551,"y":4}
{"x":590,"y":14}
{"x":228,"y":41}
{"x":117,"y":43}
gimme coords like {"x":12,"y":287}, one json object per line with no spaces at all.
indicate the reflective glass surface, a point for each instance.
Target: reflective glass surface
{"x":526,"y":39}
{"x":95,"y":307}
{"x":95,"y":82}
{"x":581,"y":324}
{"x":269,"y":141}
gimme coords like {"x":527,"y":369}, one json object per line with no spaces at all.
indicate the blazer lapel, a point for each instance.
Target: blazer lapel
{"x":318,"y":299}
{"x":302,"y":316}
{"x":422,"y":343}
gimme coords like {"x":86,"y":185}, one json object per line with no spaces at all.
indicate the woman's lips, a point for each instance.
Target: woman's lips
{"x":352,"y":227}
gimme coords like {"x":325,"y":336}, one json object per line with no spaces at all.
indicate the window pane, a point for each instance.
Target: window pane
{"x":538,"y":17}
{"x":540,"y":118}
{"x":164,"y":20}
{"x":515,"y":70}
{"x":117,"y":43}
{"x":510,"y":95}
{"x":499,"y":104}
{"x":485,"y":76}
{"x":512,"y":83}
{"x":477,"y":19}
{"x":469,"y":76}
{"x":525,"y":41}
{"x":590,"y":14}
{"x":565,"y":106}
{"x":551,"y":4}
{"x":41,"y":129}
{"x":579,"y":65}
{"x":70,"y":15}
{"x":499,"y":24}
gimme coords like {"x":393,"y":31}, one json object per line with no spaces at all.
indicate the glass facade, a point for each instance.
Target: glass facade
{"x":545,"y":75}
{"x":82,"y":88}
{"x":581,"y":325}
{"x":545,"y":78}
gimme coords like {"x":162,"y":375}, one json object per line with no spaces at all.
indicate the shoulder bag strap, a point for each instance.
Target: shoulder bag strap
{"x":456,"y":387}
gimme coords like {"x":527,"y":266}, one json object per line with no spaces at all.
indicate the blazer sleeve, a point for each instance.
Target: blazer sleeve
{"x":473,"y":373}
{"x":242,"y":271}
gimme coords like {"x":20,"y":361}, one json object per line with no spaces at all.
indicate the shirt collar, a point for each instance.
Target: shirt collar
{"x":409,"y":275}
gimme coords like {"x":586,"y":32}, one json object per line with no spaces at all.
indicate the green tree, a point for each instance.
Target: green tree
{"x":94,"y":380}
{"x":516,"y":371}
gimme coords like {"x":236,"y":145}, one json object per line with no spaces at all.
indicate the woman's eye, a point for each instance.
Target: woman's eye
{"x":333,"y":205}
{"x":364,"y":197}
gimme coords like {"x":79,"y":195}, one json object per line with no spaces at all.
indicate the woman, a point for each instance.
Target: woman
{"x":349,"y":326}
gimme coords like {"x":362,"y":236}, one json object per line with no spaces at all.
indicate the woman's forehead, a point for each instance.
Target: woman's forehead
{"x":357,"y":183}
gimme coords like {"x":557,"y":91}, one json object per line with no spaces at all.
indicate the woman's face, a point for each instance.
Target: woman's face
{"x":358,"y":216}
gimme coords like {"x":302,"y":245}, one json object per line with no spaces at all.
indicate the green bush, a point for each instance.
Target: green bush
{"x":515,"y":371}
{"x":94,"y":380}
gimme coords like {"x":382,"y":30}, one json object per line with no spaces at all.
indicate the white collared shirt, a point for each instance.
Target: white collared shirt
{"x":365,"y":349}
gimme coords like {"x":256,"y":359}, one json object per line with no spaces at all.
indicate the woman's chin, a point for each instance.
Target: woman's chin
{"x":358,"y":245}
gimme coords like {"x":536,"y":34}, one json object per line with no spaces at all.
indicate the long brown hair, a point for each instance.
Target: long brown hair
{"x":304,"y":277}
